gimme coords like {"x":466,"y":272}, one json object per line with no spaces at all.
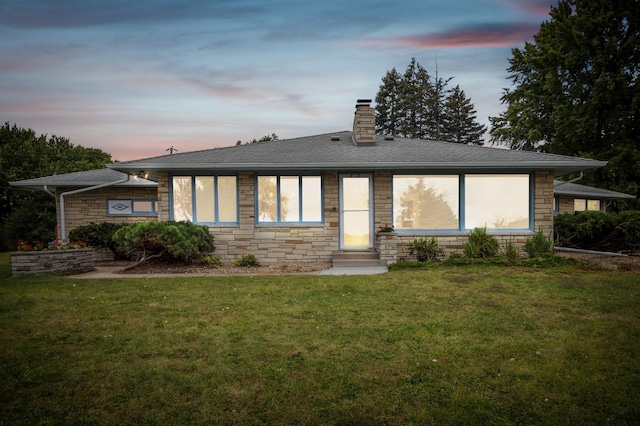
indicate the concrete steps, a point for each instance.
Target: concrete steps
{"x":356,"y":258}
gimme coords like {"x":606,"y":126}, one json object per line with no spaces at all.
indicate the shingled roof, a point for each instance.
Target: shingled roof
{"x":83,"y":179}
{"x":584,"y":191}
{"x":339,"y":152}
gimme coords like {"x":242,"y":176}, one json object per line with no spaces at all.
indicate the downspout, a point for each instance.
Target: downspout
{"x":573,"y":180}
{"x":46,"y":189}
{"x":63,"y":229}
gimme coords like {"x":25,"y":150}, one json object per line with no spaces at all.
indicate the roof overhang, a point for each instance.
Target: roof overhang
{"x":558,"y":168}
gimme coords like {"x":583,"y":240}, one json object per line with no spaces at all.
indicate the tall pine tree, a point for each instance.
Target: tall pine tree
{"x":460,"y":123}
{"x":415,"y":105}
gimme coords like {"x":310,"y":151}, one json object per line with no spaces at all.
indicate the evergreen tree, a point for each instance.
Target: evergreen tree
{"x":460,"y":123}
{"x":414,"y":105}
{"x":576,"y":90}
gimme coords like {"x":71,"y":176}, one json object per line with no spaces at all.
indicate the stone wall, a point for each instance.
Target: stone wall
{"x":565,"y":204}
{"x":25,"y":263}
{"x":91,"y":206}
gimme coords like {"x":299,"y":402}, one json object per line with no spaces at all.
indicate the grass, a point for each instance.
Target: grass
{"x":452,"y":344}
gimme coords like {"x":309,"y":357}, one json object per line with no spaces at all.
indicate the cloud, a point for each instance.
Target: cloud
{"x":494,"y":35}
{"x":89,"y":13}
{"x":540,"y":8}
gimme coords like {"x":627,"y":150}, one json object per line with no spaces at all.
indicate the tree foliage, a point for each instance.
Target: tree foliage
{"x":418,"y":105}
{"x":576,"y":90}
{"x":265,"y":138}
{"x":24,"y":155}
{"x":460,"y":123}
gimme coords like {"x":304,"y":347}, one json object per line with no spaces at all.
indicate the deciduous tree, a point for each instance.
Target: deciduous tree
{"x":24,"y":155}
{"x":576,"y":90}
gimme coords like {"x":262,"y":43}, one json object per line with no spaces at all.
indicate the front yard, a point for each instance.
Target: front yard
{"x":454,"y":345}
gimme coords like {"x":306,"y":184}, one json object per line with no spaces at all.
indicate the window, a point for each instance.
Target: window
{"x":580,"y":205}
{"x":497,"y":201}
{"x":131,"y":208}
{"x":205,"y":199}
{"x":436,"y":202}
{"x":426,"y":202}
{"x":289,"y":199}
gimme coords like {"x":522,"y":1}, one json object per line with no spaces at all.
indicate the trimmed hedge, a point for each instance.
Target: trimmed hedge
{"x":595,"y":230}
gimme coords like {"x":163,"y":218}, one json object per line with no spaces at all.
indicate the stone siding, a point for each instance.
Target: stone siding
{"x":25,"y":263}
{"x":565,"y":204}
{"x":91,"y":206}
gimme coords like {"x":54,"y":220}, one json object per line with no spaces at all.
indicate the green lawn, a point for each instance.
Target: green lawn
{"x":446,"y":345}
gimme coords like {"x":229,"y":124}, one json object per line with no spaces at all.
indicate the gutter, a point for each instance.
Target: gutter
{"x":63,"y":229}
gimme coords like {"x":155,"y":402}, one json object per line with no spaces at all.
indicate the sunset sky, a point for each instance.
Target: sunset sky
{"x":134,"y":78}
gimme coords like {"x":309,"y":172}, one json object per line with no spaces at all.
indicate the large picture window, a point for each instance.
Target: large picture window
{"x":435,"y":202}
{"x":426,"y":202}
{"x":289,"y":199}
{"x":205,"y":199}
{"x":497,"y":201}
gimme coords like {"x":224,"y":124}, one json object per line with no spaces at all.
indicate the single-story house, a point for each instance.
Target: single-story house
{"x":573,"y":197}
{"x":307,"y":199}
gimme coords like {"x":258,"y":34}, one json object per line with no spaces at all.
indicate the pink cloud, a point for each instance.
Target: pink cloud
{"x":486,"y":36}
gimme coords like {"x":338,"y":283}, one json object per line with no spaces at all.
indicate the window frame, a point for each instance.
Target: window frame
{"x":216,"y":199}
{"x":279,"y":221}
{"x":134,"y":212}
{"x":462,"y":208}
{"x":586,"y":204}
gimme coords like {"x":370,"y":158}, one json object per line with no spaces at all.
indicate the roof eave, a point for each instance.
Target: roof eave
{"x":558,"y":168}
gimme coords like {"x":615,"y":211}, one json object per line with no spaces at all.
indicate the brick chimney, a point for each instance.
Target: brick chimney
{"x":364,"y":123}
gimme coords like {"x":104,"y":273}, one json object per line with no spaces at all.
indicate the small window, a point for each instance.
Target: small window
{"x":132,"y":208}
{"x":581,"y":204}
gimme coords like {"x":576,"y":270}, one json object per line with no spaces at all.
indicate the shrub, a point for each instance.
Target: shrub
{"x":597,"y":230}
{"x":213,"y":261}
{"x":481,"y":245}
{"x":100,"y":235}
{"x":425,"y":249}
{"x":249,"y":260}
{"x":166,"y":240}
{"x":538,"y":245}
{"x":629,"y":226}
{"x":511,"y":252}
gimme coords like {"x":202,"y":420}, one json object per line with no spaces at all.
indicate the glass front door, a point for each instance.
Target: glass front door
{"x":356,"y":212}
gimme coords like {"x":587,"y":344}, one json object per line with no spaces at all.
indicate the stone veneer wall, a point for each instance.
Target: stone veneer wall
{"x":25,"y":263}
{"x":281,"y":244}
{"x":565,"y":204}
{"x":91,"y":206}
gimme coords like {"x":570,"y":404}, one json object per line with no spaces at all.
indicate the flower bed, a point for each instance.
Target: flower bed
{"x":25,"y":263}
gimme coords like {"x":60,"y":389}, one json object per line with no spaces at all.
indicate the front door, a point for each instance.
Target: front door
{"x":356,"y":212}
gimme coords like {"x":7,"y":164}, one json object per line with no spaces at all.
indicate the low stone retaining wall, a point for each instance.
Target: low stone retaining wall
{"x":25,"y":263}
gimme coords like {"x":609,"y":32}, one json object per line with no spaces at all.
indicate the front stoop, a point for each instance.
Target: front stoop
{"x":357,"y":258}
